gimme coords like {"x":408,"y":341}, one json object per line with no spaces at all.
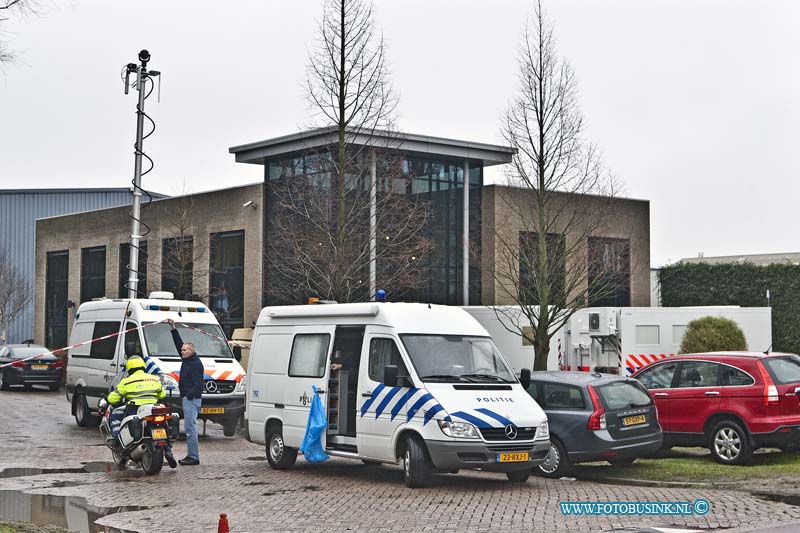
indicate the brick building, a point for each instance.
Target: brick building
{"x":223,"y":236}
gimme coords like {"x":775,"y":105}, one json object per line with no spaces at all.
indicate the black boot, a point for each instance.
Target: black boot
{"x":170,"y":459}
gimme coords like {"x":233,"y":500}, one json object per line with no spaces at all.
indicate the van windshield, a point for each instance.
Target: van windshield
{"x":456,"y":358}
{"x":159,"y":340}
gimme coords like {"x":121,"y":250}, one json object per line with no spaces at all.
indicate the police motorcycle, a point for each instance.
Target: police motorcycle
{"x":143,"y":437}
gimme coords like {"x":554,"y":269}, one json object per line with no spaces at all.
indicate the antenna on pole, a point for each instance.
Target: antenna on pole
{"x":142,"y":77}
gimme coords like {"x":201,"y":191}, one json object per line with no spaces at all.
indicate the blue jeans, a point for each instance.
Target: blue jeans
{"x":191,"y":408}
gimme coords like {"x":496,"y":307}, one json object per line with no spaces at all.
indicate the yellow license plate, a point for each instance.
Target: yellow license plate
{"x":159,"y":433}
{"x":39,"y":367}
{"x":512,"y":457}
{"x":634,"y":420}
{"x":212,"y":410}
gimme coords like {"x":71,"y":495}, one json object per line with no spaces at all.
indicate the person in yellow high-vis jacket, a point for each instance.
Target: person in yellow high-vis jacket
{"x":139,"y":388}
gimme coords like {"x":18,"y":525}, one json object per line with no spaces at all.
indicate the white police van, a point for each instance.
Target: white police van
{"x":421,"y":385}
{"x":94,"y":367}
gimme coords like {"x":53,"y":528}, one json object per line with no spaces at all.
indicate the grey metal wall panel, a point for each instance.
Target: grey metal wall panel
{"x":19,"y":210}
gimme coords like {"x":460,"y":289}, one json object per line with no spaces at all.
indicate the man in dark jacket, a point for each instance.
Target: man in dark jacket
{"x":190,"y":386}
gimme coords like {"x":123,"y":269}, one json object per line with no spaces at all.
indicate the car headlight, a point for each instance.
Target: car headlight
{"x":543,"y":431}
{"x":242,"y":386}
{"x":458,"y":430}
{"x":168,"y":382}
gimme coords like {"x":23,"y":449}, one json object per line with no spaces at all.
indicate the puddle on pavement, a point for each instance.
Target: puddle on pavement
{"x":22,"y":472}
{"x":790,"y":499}
{"x":69,"y":512}
{"x":87,"y":468}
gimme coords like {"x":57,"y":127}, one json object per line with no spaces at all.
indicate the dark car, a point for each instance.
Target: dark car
{"x":45,"y":370}
{"x":732,"y":403}
{"x":594,"y":417}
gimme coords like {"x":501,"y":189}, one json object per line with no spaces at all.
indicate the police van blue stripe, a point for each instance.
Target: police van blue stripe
{"x":503,"y":420}
{"x":369,"y":402}
{"x":388,"y":398}
{"x":473,"y":419}
{"x":402,"y":402}
{"x":150,"y":366}
{"x":419,"y":403}
{"x":431,"y":412}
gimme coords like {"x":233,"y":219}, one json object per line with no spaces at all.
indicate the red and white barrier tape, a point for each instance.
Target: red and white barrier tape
{"x":112,"y":335}
{"x":104,"y":337}
{"x":212,"y":335}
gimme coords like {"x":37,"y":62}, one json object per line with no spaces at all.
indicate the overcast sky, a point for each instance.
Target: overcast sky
{"x":694,"y":103}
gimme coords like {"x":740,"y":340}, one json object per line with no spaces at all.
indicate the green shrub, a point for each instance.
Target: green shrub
{"x":713,"y":334}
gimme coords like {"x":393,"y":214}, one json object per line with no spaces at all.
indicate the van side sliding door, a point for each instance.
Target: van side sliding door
{"x":308,"y":365}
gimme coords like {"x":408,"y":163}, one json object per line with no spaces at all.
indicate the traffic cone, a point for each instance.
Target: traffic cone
{"x":223,"y":524}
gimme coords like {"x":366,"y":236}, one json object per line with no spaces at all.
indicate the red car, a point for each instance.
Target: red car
{"x":732,"y":403}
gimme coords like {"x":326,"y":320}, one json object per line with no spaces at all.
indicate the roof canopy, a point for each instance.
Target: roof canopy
{"x":424,"y":145}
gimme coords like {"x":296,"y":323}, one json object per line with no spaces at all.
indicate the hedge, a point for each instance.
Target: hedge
{"x":742,"y":284}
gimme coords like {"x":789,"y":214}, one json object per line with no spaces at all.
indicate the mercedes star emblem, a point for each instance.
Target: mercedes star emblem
{"x":211,"y":386}
{"x":511,"y":432}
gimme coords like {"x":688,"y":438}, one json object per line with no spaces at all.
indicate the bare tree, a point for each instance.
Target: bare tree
{"x":543,"y":259}
{"x":7,"y":8}
{"x":184,"y":260}
{"x":320,"y":239}
{"x":15,"y":293}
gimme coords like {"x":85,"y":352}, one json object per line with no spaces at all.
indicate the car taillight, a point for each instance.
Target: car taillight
{"x":597,"y":420}
{"x":770,"y":396}
{"x":58,"y":364}
{"x":18,"y":364}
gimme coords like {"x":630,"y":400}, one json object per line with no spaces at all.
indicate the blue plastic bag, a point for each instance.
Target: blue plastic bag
{"x":317,"y":422}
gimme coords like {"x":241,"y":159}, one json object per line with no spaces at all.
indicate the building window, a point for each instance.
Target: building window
{"x":226,"y":281}
{"x":609,"y":272}
{"x":55,"y":295}
{"x":124,"y":261}
{"x":530,"y":284}
{"x":93,"y":273}
{"x":177,"y":266}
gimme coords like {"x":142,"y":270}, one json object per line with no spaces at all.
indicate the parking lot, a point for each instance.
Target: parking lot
{"x":53,"y":472}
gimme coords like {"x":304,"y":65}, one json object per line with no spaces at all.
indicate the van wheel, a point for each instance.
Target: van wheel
{"x":556,"y":464}
{"x":416,"y":463}
{"x":730,"y":444}
{"x":279,"y":456}
{"x":519,"y":476}
{"x":229,"y":427}
{"x":83,"y":416}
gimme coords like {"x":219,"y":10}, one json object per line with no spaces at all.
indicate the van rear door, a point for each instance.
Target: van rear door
{"x":308,"y":365}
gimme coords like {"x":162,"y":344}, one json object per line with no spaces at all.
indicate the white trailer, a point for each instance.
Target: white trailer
{"x":618,"y":340}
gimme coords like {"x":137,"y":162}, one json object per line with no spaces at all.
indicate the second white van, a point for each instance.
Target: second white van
{"x":419,"y":385}
{"x":137,"y":327}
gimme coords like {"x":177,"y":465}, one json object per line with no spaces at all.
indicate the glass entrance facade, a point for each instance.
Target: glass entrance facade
{"x":439,"y":182}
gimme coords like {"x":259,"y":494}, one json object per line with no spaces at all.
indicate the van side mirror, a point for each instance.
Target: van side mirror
{"x":130,"y":349}
{"x":390,"y":375}
{"x":237,"y":353}
{"x":525,"y":378}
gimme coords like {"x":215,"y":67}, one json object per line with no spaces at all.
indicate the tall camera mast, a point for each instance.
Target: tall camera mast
{"x":142,"y":76}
